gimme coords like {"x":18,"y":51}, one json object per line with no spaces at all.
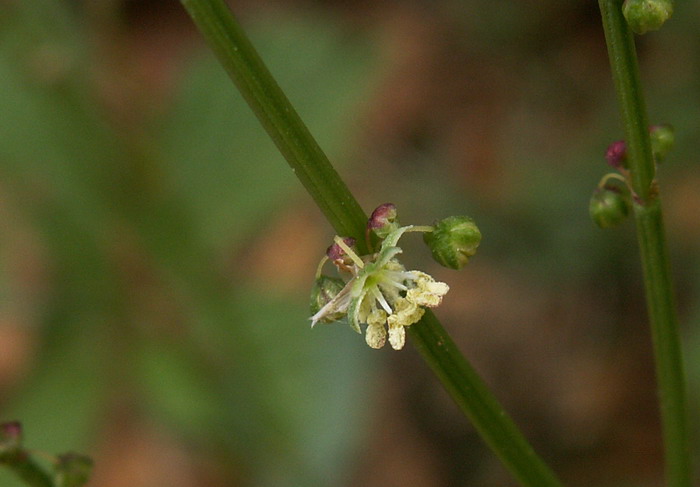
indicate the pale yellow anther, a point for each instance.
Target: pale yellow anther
{"x":405,"y":313}
{"x":428,"y":292}
{"x":377,"y":317}
{"x":375,"y":335}
{"x":397,"y":337}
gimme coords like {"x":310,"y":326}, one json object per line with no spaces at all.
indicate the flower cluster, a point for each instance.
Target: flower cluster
{"x":378,"y":291}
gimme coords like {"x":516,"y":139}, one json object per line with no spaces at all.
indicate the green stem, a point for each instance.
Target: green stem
{"x":311,"y":166}
{"x":26,"y":469}
{"x":652,"y":244}
{"x":476,"y":401}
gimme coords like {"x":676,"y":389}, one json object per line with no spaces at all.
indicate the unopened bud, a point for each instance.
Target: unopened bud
{"x":645,"y":15}
{"x":453,"y":241}
{"x":337,"y":254}
{"x":73,"y":470}
{"x":616,"y":154}
{"x":325,"y":288}
{"x":662,"y":140}
{"x":10,"y":436}
{"x":383,"y":220}
{"x":608,"y":207}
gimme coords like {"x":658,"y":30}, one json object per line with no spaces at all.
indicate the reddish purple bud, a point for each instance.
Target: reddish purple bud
{"x":383,"y":220}
{"x":335,"y":252}
{"x":616,"y":154}
{"x":12,"y":430}
{"x":10,"y":436}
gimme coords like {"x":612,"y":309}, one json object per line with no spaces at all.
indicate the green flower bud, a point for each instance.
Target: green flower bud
{"x":662,"y":140}
{"x":325,"y":288}
{"x":645,"y":15}
{"x":73,"y":470}
{"x":608,"y":207}
{"x":453,"y":240}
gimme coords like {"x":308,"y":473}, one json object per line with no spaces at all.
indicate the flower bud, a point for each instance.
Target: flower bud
{"x":453,"y":241}
{"x":616,"y":154}
{"x":608,"y":207}
{"x":10,"y":436}
{"x":336,"y":253}
{"x":645,"y":15}
{"x":325,"y":288}
{"x":383,"y":220}
{"x":73,"y":470}
{"x":662,"y":140}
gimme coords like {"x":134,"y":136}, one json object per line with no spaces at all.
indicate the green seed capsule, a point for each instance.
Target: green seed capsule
{"x":324,"y":289}
{"x":662,"y":140}
{"x":645,"y":15}
{"x":453,"y":241}
{"x":608,"y":207}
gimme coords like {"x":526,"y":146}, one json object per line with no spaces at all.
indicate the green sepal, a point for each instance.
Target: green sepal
{"x":323,"y":291}
{"x":354,"y":312}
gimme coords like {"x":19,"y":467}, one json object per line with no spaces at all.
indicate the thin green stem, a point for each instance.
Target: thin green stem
{"x":652,"y":245}
{"x":476,"y":401}
{"x":26,"y":468}
{"x":311,"y":166}
{"x":625,"y":71}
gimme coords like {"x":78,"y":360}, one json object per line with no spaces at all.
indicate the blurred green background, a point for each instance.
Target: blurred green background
{"x":156,"y":252}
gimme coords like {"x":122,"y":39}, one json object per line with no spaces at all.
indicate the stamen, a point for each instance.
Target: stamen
{"x":355,"y":258}
{"x":395,"y":283}
{"x":420,"y":228}
{"x":320,"y":266}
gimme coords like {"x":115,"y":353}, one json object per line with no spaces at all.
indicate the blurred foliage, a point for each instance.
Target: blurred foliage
{"x":207,"y":354}
{"x":125,"y":238}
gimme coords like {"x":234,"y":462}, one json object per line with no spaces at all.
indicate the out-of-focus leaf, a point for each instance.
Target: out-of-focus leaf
{"x":55,"y":159}
{"x":223,"y":164}
{"x":178,"y":388}
{"x":59,"y":405}
{"x":299,"y":397}
{"x":55,"y":147}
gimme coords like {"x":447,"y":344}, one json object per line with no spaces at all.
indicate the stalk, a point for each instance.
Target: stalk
{"x":235,"y":52}
{"x":26,"y":468}
{"x":652,"y":245}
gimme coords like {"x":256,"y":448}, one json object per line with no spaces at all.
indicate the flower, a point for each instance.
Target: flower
{"x":381,"y":293}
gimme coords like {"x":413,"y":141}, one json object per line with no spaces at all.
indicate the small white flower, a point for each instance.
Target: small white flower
{"x":382,"y":294}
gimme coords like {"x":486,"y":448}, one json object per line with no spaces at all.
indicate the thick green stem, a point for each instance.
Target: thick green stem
{"x":652,"y":244}
{"x":311,"y":166}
